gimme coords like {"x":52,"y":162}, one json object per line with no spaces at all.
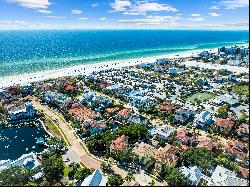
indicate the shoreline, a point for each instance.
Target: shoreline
{"x":86,"y":69}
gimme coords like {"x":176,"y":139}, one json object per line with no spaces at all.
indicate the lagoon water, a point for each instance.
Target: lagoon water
{"x":18,"y":140}
{"x":38,"y":50}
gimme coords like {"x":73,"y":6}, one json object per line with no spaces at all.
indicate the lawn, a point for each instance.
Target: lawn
{"x":199,"y":97}
{"x":67,"y":169}
{"x":52,"y":128}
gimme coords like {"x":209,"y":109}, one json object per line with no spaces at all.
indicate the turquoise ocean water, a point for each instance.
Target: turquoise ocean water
{"x":38,"y":50}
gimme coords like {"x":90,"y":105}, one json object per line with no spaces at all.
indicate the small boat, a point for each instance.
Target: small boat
{"x":40,"y":141}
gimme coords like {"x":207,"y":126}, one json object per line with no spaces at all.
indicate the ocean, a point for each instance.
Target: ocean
{"x":32,"y":51}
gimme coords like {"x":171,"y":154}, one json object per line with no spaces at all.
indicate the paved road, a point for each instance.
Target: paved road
{"x":87,"y":160}
{"x":76,"y":147}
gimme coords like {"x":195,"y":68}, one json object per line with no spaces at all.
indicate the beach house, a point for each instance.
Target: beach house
{"x":182,"y":117}
{"x":243,"y":131}
{"x":232,"y":78}
{"x":172,"y":71}
{"x":223,"y":99}
{"x":202,"y":119}
{"x":164,"y":132}
{"x":94,"y":126}
{"x":119,"y":143}
{"x":166,"y":108}
{"x":56,"y":99}
{"x":25,"y":113}
{"x":27,"y":160}
{"x":185,"y":137}
{"x":167,"y":155}
{"x":224,"y":124}
{"x":140,"y":101}
{"x":161,"y":61}
{"x":145,"y":154}
{"x":224,"y":177}
{"x":94,"y":100}
{"x":206,"y":142}
{"x":81,"y":114}
{"x":237,"y":149}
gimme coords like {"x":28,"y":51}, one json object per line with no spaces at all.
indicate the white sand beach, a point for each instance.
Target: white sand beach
{"x":86,"y":69}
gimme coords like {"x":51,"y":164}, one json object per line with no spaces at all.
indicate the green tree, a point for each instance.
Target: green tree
{"x":134,"y":132}
{"x":176,"y":178}
{"x":15,"y":176}
{"x":129,"y":177}
{"x":125,"y":155}
{"x":200,"y":157}
{"x":81,"y":173}
{"x":106,"y":167}
{"x":53,"y":166}
{"x":152,"y":183}
{"x":115,"y":180}
{"x":162,"y":143}
{"x":227,"y":161}
{"x":223,"y":111}
{"x":100,"y":142}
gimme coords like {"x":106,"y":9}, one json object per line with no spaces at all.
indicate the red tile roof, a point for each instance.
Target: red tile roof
{"x":104,"y":85}
{"x":82,"y":113}
{"x":69,"y":87}
{"x":61,"y":78}
{"x":182,"y":135}
{"x":166,"y":107}
{"x":120,"y":143}
{"x":225,"y":123}
{"x":124,"y":112}
{"x":206,"y":142}
{"x":95,"y":123}
{"x":236,"y":147}
{"x":244,"y":172}
{"x":167,"y":155}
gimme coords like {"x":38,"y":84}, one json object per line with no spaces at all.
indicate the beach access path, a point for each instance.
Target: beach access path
{"x":79,"y":149}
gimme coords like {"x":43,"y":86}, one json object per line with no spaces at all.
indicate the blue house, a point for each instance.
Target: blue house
{"x":161,"y":61}
{"x":202,"y":119}
{"x":172,"y":71}
{"x":145,"y":65}
{"x":218,"y":80}
{"x":232,"y":78}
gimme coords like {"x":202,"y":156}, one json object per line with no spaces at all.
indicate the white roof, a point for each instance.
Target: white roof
{"x":224,"y":177}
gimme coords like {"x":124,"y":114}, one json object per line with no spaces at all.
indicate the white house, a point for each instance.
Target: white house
{"x":27,"y":112}
{"x":224,"y":177}
{"x":27,"y":160}
{"x":164,"y":132}
{"x":202,"y":119}
{"x":95,"y":179}
{"x":234,"y":62}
